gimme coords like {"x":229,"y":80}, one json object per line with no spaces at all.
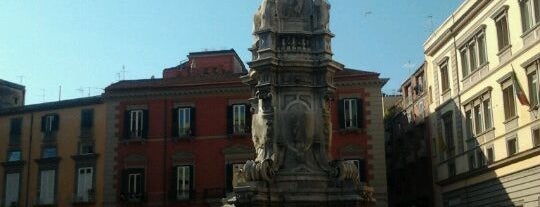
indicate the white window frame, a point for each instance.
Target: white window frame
{"x":488,"y":160}
{"x":350,"y":110}
{"x":445,"y":81}
{"x":533,"y":81}
{"x":472,"y":55}
{"x":509,"y":85}
{"x":133,"y":181}
{"x":481,"y":115}
{"x":47,"y":189}
{"x":136,"y":123}
{"x":504,"y":31}
{"x":533,"y":17}
{"x":85,"y":183}
{"x":535,"y":134}
{"x":183,"y":182}
{"x":508,"y":146}
{"x":49,"y":120}
{"x":184,"y":121}
{"x":239,"y":118}
{"x":12,"y":195}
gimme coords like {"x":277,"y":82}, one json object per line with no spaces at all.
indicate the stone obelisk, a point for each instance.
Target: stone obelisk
{"x":292,"y":82}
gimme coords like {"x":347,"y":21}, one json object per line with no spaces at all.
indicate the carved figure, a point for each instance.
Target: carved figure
{"x":323,"y":14}
{"x":266,"y":13}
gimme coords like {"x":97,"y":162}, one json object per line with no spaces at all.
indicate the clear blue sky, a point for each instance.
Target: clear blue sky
{"x":81,"y":43}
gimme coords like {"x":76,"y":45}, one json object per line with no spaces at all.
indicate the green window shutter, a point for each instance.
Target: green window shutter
{"x":43,"y":123}
{"x":248,"y":118}
{"x":145,"y":124}
{"x":229,"y":177}
{"x":56,"y":122}
{"x":127,"y":120}
{"x":341,"y":113}
{"x":174,"y":125}
{"x":125,"y":182}
{"x":360,"y":113}
{"x":192,"y":193}
{"x":230,"y":126}
{"x":173,"y":181}
{"x":193,"y":121}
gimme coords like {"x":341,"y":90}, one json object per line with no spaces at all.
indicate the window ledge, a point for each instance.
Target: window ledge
{"x":351,"y":130}
{"x":484,"y":132}
{"x":504,"y":49}
{"x":445,"y":91}
{"x":530,"y":30}
{"x":534,"y":108}
{"x":479,"y":68}
{"x":185,"y":137}
{"x":239,"y":135}
{"x":134,"y":140}
{"x":510,"y":119}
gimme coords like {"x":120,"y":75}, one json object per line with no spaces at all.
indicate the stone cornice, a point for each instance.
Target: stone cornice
{"x":373,"y":82}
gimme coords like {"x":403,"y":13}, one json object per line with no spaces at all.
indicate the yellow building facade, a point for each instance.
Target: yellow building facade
{"x":482,"y":67}
{"x":52,"y":154}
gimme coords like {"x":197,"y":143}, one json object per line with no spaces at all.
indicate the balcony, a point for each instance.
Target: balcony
{"x":133,"y":197}
{"x":85,"y":198}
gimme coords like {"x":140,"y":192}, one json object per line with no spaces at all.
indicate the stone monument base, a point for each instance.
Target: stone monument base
{"x":302,"y":193}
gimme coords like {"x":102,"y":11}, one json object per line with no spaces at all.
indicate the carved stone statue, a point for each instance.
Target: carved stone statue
{"x":322,"y":8}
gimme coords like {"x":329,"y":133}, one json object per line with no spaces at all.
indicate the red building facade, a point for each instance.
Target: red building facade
{"x":181,"y":140}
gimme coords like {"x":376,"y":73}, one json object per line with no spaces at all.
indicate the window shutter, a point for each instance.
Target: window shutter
{"x":125,"y":182}
{"x":230,"y":126}
{"x":43,"y":123}
{"x":362,"y":170}
{"x":248,"y":118}
{"x":16,"y":126}
{"x":341,"y":115}
{"x":360,"y":113}
{"x":56,"y":122}
{"x":173,"y":188}
{"x":141,"y":184}
{"x":127,"y":120}
{"x":228,"y":177}
{"x":193,"y":120}
{"x":87,"y":117}
{"x":191,"y":181}
{"x":174,"y":125}
{"x":145,"y":124}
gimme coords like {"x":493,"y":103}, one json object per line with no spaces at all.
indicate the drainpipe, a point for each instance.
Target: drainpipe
{"x":27,"y":200}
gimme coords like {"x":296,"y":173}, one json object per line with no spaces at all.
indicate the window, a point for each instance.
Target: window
{"x":536,"y":137}
{"x":239,"y":118}
{"x":451,"y":168}
{"x":480,"y":158}
{"x":350,"y":113}
{"x":184,"y":184}
{"x":14,"y":156}
{"x":15,"y":131}
{"x":49,"y":123}
{"x":136,"y":124}
{"x":509,"y":102}
{"x":512,"y":146}
{"x":503,"y":36}
{"x":184,"y":122}
{"x":532,"y":79}
{"x":47,"y":187}
{"x":133,"y":184}
{"x":87,"y":118}
{"x":361,"y":167}
{"x":449,"y":132}
{"x":12,"y":195}
{"x":49,"y":152}
{"x":478,"y":115}
{"x":419,"y":88}
{"x":530,"y":13}
{"x":234,"y":177}
{"x":490,"y":155}
{"x":469,"y":124}
{"x":445,"y":79}
{"x":85,"y":184}
{"x":473,"y":54}
{"x":86,"y":148}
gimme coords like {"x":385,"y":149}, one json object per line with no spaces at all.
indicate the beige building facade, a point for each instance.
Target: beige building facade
{"x":482,"y":76}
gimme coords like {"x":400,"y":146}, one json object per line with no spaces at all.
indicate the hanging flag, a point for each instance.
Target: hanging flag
{"x":522,"y":97}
